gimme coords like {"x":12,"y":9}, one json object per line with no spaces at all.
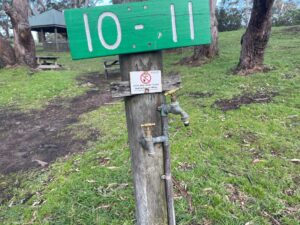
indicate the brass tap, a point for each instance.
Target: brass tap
{"x":148,"y":128}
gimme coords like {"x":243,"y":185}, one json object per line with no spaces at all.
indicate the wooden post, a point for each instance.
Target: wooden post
{"x":41,"y":36}
{"x":149,"y":188}
{"x":151,"y":208}
{"x":56,"y":44}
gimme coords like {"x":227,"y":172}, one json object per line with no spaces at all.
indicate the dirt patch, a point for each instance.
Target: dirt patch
{"x":256,"y":69}
{"x":97,"y":80}
{"x":289,"y":76}
{"x":44,"y":135}
{"x":292,"y":30}
{"x":245,"y":99}
{"x":190,"y":61}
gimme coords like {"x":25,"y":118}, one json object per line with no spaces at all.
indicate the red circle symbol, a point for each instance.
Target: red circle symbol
{"x":145,"y":78}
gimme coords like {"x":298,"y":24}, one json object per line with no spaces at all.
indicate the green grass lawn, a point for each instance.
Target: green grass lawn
{"x":22,"y":88}
{"x":235,"y":164}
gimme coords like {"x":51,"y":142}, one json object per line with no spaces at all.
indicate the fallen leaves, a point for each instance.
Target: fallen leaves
{"x":289,"y":192}
{"x":37,"y":203}
{"x":112,"y":167}
{"x":91,"y":181}
{"x":255,"y":161}
{"x":292,"y":210}
{"x":181,"y":189}
{"x":249,"y":223}
{"x":270,"y":217}
{"x":237,"y":196}
{"x":207,"y":222}
{"x":103,"y":161}
{"x":111,"y":188}
{"x":104,"y":207}
{"x":296,"y":161}
{"x":33,"y":218}
{"x":40,"y":162}
{"x":184,"y":166}
{"x":208,"y":190}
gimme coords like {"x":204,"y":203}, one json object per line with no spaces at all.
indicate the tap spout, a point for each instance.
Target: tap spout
{"x":175,"y":108}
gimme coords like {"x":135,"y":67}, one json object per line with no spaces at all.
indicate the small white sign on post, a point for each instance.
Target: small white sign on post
{"x":143,"y":82}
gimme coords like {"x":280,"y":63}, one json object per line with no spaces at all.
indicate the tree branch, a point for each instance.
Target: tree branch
{"x":8,"y":9}
{"x":40,"y":2}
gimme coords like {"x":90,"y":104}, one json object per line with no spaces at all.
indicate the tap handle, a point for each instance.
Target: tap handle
{"x":171,"y":92}
{"x":148,"y":125}
{"x":148,"y":128}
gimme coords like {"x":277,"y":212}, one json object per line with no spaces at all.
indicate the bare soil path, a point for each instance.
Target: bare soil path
{"x":26,"y":139}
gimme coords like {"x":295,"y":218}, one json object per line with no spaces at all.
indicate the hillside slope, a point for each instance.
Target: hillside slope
{"x":233,"y":165}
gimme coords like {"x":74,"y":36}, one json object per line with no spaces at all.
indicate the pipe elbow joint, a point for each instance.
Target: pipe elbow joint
{"x":175,"y":109}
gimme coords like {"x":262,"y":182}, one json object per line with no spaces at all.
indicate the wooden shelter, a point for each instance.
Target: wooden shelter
{"x":51,"y":21}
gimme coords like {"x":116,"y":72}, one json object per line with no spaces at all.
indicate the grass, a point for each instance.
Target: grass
{"x":21,"y":88}
{"x":226,"y":181}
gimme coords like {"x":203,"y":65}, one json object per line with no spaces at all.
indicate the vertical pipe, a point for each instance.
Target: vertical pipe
{"x":168,"y":176}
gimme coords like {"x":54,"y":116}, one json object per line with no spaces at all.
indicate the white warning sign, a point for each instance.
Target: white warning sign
{"x":142,"y":82}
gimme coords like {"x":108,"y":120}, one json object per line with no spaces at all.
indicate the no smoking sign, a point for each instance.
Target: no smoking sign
{"x":146,"y":77}
{"x":142,"y":82}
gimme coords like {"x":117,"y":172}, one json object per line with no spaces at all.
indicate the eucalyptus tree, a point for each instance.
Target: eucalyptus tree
{"x":24,"y":46}
{"x":18,"y":12}
{"x":255,"y":39}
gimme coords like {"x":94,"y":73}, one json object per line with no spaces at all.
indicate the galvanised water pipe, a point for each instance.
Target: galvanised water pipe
{"x":174,"y":108}
{"x":148,"y":142}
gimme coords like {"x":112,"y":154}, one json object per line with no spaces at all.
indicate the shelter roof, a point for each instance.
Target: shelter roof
{"x":49,"y":20}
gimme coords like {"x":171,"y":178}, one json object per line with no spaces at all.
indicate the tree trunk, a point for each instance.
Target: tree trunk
{"x":23,"y":41}
{"x":7,"y":54}
{"x":204,"y":52}
{"x":255,"y":40}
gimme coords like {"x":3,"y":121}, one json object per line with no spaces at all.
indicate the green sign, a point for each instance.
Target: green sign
{"x":137,"y":27}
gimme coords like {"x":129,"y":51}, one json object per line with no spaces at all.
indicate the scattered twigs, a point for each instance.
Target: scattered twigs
{"x":182,"y":189}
